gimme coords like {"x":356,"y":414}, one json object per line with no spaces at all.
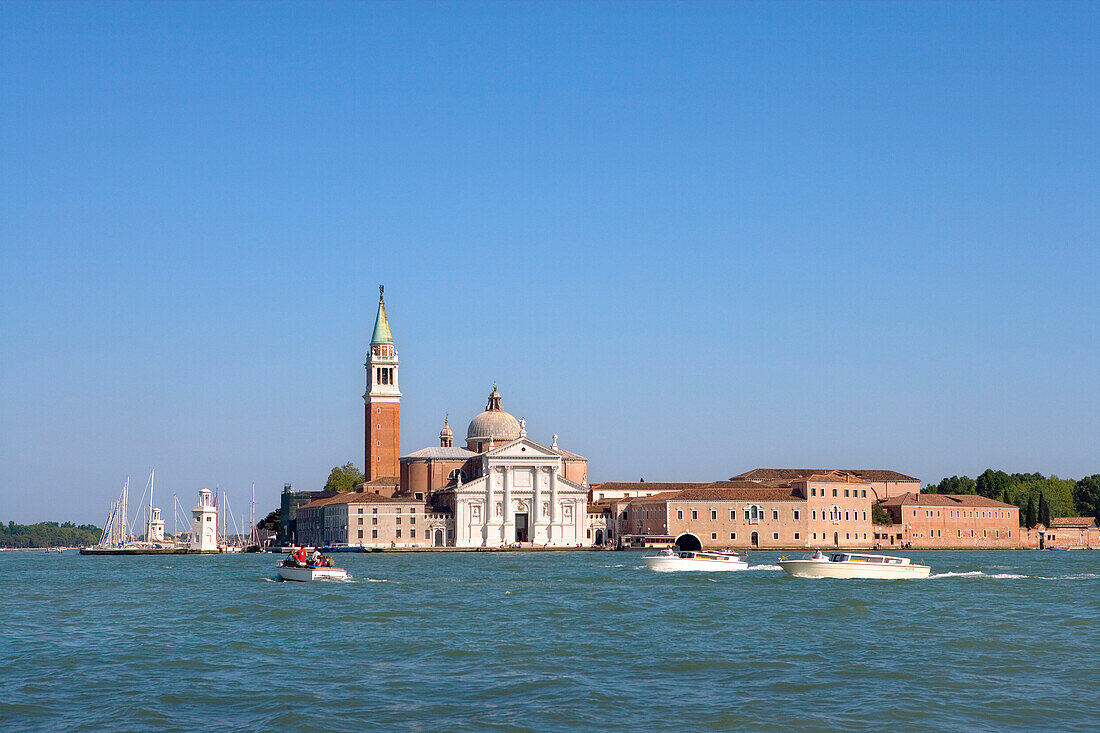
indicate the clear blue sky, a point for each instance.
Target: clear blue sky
{"x":692,"y":239}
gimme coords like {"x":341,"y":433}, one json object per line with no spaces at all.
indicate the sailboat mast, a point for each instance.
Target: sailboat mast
{"x":149,"y":522}
{"x":124,"y":510}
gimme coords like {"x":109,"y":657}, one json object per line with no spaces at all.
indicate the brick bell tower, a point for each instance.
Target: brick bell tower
{"x":383,"y":401}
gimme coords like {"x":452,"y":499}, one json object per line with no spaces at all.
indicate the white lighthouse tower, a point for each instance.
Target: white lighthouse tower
{"x":204,"y":524}
{"x":156,"y":526}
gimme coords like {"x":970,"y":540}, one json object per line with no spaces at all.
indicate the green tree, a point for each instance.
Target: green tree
{"x":271,"y":521}
{"x":1086,"y":496}
{"x":1031,"y":514}
{"x":954,"y":485}
{"x":991,"y":484}
{"x":880,"y":515}
{"x":1044,"y":510}
{"x":344,"y":478}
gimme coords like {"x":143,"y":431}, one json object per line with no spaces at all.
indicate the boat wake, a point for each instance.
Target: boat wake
{"x":1015,"y":576}
{"x":763,"y":567}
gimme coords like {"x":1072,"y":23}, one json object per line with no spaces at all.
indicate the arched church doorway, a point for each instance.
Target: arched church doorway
{"x":438,"y":542}
{"x":836,"y":539}
{"x":754,"y":539}
{"x":599,"y":536}
{"x":688,"y":542}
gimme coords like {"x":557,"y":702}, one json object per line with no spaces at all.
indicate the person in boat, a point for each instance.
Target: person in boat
{"x":316,"y":558}
{"x":668,"y":551}
{"x":301,"y":556}
{"x":817,"y":553}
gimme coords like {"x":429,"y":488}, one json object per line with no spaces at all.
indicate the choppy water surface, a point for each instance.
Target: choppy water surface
{"x":545,"y":641}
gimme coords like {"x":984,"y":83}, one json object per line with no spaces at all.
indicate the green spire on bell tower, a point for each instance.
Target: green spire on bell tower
{"x":381,"y":323}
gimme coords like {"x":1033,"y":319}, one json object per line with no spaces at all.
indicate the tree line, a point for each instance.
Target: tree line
{"x":1039,"y":497}
{"x":48,"y":534}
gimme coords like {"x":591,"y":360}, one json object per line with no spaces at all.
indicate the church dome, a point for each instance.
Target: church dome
{"x":494,"y":423}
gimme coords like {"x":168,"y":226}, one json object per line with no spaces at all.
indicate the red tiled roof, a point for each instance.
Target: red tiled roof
{"x":867,"y":474}
{"x":727,"y":491}
{"x":948,"y":500}
{"x":645,"y":486}
{"x":1072,"y":522}
{"x":360,"y":497}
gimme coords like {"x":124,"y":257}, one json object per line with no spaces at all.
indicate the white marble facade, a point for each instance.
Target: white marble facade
{"x":521,"y":496}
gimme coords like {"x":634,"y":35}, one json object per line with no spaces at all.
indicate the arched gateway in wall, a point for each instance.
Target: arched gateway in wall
{"x":689,"y":542}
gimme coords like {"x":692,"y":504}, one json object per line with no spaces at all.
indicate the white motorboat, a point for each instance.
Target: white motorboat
{"x":670,"y":561}
{"x":307,"y":573}
{"x":851,"y":565}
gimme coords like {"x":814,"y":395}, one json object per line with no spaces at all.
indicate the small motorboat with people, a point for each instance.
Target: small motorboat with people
{"x":302,"y":567}
{"x":670,"y":560}
{"x":852,"y":565}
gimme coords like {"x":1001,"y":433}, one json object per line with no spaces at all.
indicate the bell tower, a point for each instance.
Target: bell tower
{"x":383,"y":401}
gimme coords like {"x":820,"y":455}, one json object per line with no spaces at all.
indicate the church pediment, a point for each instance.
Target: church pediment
{"x":523,"y":449}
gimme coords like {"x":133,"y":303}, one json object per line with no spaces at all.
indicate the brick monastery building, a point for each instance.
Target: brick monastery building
{"x":503,"y":488}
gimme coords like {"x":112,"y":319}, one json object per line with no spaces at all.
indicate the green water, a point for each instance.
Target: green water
{"x":546,"y":641}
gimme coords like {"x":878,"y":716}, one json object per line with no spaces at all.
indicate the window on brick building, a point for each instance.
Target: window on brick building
{"x":834,"y":492}
{"x":360,"y":534}
{"x":775,"y":535}
{"x":845,"y":493}
{"x":360,"y":520}
{"x":796,"y":535}
{"x":775,"y":514}
{"x":864,"y":515}
{"x":714,"y":515}
{"x":714,"y":535}
{"x":412,"y":534}
{"x":796,"y":514}
{"x":374,"y":510}
{"x":864,"y":494}
{"x":398,"y":533}
{"x":374,"y":533}
{"x":733,"y":514}
{"x":374,"y":520}
{"x":679,"y":513}
{"x":399,"y":520}
{"x":733,"y":535}
{"x":694,"y":514}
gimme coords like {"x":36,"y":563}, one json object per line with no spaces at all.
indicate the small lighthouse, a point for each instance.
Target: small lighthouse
{"x":156,"y":526}
{"x":204,"y":524}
